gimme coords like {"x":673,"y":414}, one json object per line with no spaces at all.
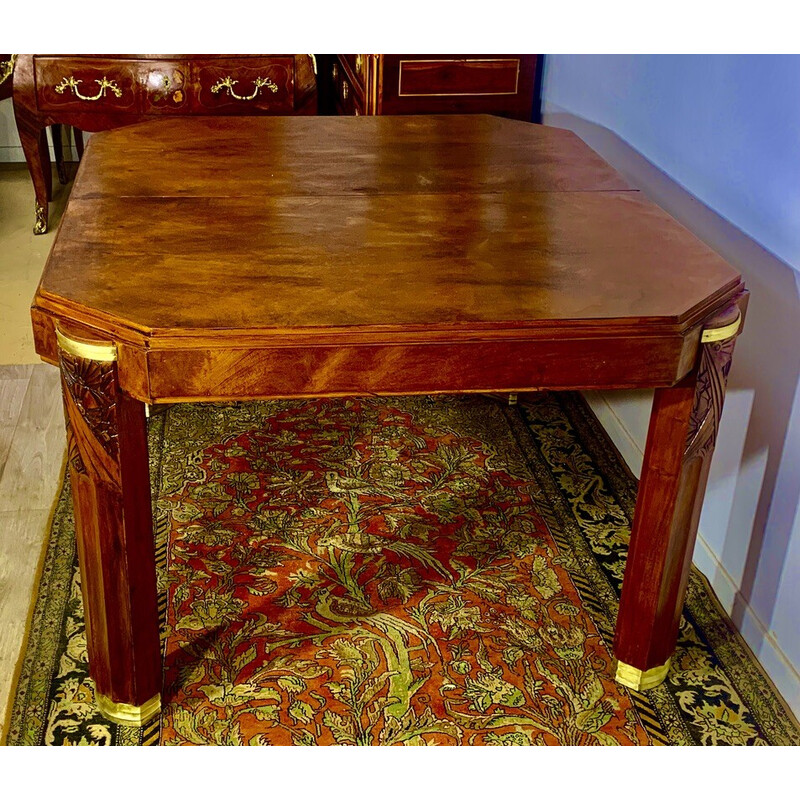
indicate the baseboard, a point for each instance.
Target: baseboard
{"x":625,"y":442}
{"x":757,"y":635}
{"x":11,"y":154}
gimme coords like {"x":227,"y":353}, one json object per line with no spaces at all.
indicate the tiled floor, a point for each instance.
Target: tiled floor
{"x":31,"y":418}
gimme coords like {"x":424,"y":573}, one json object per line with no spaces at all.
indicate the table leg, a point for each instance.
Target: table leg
{"x":680,"y":442}
{"x":37,"y":154}
{"x":108,"y":464}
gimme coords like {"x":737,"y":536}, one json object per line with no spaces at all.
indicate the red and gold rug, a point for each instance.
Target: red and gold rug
{"x":407,"y":571}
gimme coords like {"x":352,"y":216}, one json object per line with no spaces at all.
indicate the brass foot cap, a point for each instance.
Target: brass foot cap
{"x":40,"y":226}
{"x":126,"y":714}
{"x":639,"y":679}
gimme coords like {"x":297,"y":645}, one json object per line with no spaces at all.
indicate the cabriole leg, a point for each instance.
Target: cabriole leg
{"x":680,"y":442}
{"x":107,"y":453}
{"x":37,"y":154}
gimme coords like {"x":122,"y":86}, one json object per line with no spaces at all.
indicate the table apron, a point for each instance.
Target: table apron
{"x":173,"y":375}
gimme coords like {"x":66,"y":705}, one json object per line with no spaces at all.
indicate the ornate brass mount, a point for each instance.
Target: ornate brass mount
{"x":7,"y":68}
{"x":228,"y":83}
{"x":40,"y":225}
{"x":723,"y":333}
{"x":92,"y":351}
{"x":125,"y":714}
{"x":72,"y":83}
{"x":641,"y":679}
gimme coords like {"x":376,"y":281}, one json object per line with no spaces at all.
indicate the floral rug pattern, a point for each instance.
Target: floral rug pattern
{"x":408,"y":571}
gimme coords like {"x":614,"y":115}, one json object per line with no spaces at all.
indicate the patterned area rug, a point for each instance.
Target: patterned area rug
{"x":407,"y":571}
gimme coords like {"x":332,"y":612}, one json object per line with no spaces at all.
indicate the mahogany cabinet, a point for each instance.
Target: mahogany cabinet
{"x":98,"y":92}
{"x":505,"y":85}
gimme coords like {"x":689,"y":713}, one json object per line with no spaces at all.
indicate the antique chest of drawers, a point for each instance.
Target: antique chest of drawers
{"x":97,"y":92}
{"x":436,"y":84}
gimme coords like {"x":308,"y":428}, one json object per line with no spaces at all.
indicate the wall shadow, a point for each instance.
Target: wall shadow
{"x":766,"y":484}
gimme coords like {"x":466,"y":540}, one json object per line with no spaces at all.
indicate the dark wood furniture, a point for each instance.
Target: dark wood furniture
{"x":222,"y":258}
{"x":98,"y":92}
{"x":505,"y":85}
{"x":6,"y":91}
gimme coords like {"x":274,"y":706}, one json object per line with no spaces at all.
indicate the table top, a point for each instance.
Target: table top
{"x":289,"y":224}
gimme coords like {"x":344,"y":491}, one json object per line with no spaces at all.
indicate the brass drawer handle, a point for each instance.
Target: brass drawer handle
{"x":359,"y":62}
{"x":345,"y":90}
{"x":228,"y":83}
{"x":72,"y":83}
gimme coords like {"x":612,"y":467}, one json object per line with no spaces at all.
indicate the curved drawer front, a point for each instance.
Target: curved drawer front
{"x":86,"y":85}
{"x":244,"y":86}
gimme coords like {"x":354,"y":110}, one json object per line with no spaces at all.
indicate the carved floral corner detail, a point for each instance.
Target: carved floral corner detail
{"x":91,"y":387}
{"x":712,"y":378}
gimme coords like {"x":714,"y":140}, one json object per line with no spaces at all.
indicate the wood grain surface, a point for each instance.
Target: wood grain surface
{"x":289,"y":223}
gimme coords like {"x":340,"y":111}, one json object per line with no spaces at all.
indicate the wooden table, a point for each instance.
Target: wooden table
{"x":221,"y":259}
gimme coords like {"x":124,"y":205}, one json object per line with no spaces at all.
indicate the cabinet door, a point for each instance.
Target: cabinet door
{"x":458,"y":84}
{"x":86,"y":84}
{"x":244,"y":85}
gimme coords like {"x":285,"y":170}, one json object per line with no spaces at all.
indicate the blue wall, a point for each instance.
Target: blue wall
{"x":727,"y":128}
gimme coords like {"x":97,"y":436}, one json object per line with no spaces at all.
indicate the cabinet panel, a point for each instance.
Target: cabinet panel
{"x":472,"y":77}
